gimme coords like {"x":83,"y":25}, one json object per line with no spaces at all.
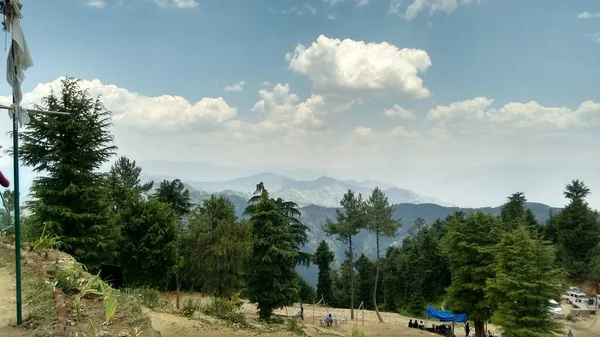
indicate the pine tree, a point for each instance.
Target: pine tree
{"x":381,"y":222}
{"x":525,"y":279}
{"x":323,"y":259}
{"x":220,"y":245}
{"x":149,"y":249}
{"x":348,"y":224}
{"x":469,"y":244}
{"x":175,"y":194}
{"x":277,"y":235}
{"x":514,"y":212}
{"x":71,"y":199}
{"x":124,"y":183}
{"x":577,"y":231}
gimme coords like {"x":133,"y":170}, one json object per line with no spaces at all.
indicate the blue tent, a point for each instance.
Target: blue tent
{"x":445,"y":315}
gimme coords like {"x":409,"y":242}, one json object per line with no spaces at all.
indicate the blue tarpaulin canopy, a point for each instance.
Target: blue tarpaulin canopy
{"x":445,"y":315}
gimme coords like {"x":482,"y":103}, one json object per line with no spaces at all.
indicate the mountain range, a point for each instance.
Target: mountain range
{"x":318,"y":200}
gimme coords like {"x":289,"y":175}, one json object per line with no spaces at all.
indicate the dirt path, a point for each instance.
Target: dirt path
{"x":7,"y":297}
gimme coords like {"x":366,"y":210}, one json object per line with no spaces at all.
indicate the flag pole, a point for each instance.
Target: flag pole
{"x":17,"y":202}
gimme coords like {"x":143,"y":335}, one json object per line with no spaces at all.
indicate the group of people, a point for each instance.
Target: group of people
{"x":416,"y":325}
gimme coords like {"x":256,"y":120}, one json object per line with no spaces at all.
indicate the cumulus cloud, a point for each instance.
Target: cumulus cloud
{"x":476,"y":116}
{"x":177,"y":3}
{"x":164,"y":113}
{"x":588,"y":15}
{"x":237,"y":87}
{"x":418,"y":6}
{"x":332,"y":2}
{"x":398,"y":111}
{"x":281,"y":107}
{"x":363,"y":132}
{"x":358,"y":68}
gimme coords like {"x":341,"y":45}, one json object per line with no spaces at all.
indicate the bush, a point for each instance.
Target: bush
{"x":147,"y":297}
{"x":357,"y":333}
{"x":190,"y":306}
{"x":68,"y":276}
{"x":294,"y":326}
{"x":225,"y":309}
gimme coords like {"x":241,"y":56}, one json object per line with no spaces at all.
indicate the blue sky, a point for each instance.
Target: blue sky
{"x":506,"y":51}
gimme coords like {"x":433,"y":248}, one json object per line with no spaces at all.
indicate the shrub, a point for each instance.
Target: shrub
{"x":190,"y":307}
{"x":225,"y":309}
{"x":147,"y":297}
{"x":357,"y":333}
{"x":67,"y":277}
{"x":295,"y":327}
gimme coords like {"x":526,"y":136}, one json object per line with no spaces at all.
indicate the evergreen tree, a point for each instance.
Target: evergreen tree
{"x":7,"y":210}
{"x":514,"y":212}
{"x":349,"y":223}
{"x":364,"y":281}
{"x":323,"y":259}
{"x":124,"y":183}
{"x":525,"y":279}
{"x":71,"y":199}
{"x":149,"y":248}
{"x":277,"y":235}
{"x":220,"y":245}
{"x":175,"y":194}
{"x":381,"y":222}
{"x":577,"y":231}
{"x":469,"y":244}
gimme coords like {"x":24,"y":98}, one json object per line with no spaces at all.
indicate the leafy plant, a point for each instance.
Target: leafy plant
{"x":147,"y":297}
{"x":46,"y":242}
{"x":93,"y":334}
{"x":110,"y":306}
{"x":77,"y":307}
{"x":190,"y":307}
{"x":225,"y":309}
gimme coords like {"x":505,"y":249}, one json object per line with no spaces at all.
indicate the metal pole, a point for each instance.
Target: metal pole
{"x":17,"y":202}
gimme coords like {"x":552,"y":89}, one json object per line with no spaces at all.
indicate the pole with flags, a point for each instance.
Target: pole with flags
{"x":19,"y":59}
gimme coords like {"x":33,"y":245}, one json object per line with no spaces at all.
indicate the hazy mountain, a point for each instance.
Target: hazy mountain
{"x":323,"y":191}
{"x":316,"y":216}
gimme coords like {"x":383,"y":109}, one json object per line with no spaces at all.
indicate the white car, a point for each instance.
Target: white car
{"x":554,"y":308}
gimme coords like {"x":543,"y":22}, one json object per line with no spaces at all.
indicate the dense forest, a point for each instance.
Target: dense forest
{"x":475,"y":262}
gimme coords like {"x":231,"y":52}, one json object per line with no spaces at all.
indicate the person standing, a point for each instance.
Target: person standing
{"x":467,"y":329}
{"x":301,"y":311}
{"x":570,"y":334}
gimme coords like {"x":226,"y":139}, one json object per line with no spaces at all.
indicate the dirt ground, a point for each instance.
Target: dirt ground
{"x":395,"y":324}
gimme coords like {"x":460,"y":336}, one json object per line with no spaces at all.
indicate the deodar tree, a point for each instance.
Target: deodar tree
{"x":469,"y":245}
{"x":348,"y":224}
{"x":526,"y":277}
{"x":220,"y":245}
{"x":381,"y":222}
{"x":323,"y":259}
{"x":70,"y":196}
{"x":577,"y":231}
{"x":277,"y":236}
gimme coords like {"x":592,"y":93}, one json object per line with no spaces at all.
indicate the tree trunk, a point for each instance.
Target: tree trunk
{"x":378,"y":265}
{"x":351,"y":256}
{"x":479,"y":329}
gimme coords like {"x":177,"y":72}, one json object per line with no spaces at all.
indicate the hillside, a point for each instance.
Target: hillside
{"x":316,"y":216}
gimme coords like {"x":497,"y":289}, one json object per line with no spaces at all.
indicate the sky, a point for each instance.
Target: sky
{"x":467,"y":101}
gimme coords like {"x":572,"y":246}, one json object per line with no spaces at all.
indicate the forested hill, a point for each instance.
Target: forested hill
{"x":316,"y":216}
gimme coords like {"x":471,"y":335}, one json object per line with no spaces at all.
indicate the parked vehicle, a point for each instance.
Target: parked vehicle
{"x":555,"y":308}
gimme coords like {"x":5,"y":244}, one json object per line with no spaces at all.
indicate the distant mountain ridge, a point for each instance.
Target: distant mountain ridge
{"x":324,"y":191}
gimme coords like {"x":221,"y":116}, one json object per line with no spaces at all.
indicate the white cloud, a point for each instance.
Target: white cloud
{"x":306,"y":7}
{"x":595,"y":37}
{"x":266,"y":83}
{"x":164,"y":113}
{"x":237,"y":87}
{"x":417,"y":6}
{"x":588,"y":15}
{"x":363,"y":132}
{"x":358,"y":68}
{"x":477,"y":117}
{"x":333,"y":2}
{"x":177,"y":3}
{"x":398,"y":111}
{"x":96,"y":3}
{"x":280,"y":107}
{"x":360,"y":3}
{"x":331,"y":17}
